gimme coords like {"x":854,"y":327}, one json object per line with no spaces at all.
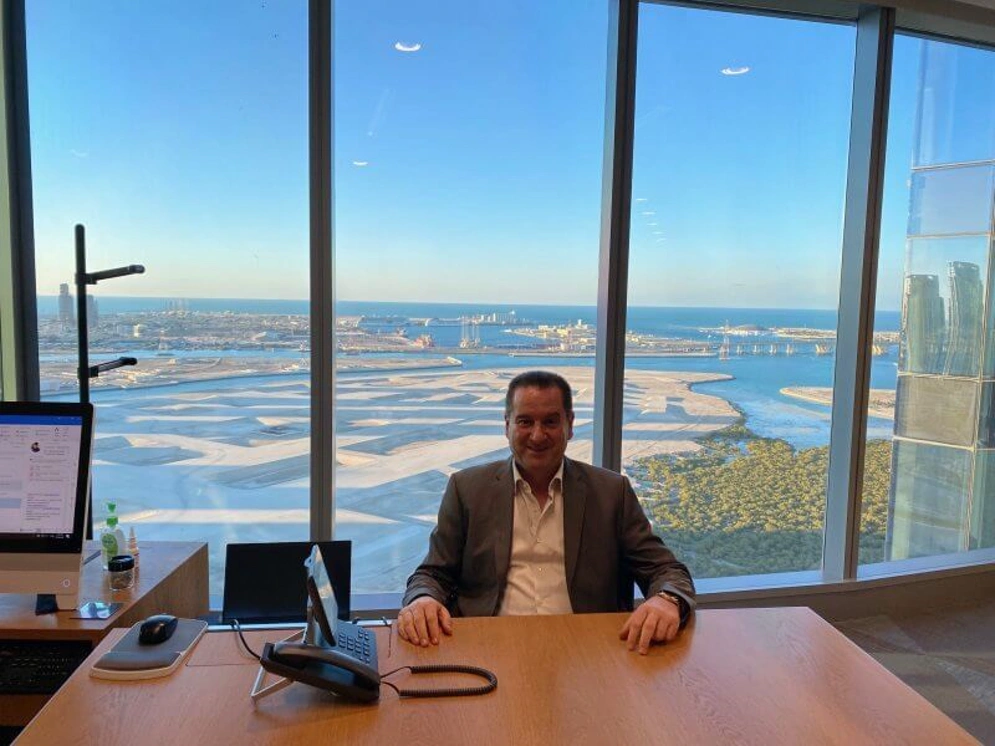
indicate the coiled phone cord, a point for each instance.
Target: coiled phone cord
{"x":469,"y":691}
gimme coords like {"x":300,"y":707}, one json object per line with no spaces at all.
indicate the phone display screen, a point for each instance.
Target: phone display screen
{"x":319,"y":589}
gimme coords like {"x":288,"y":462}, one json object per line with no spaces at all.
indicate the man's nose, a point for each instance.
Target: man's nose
{"x":537,"y":432}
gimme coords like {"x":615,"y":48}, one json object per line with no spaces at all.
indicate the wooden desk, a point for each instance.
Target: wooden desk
{"x":172,"y":577}
{"x":759,"y":676}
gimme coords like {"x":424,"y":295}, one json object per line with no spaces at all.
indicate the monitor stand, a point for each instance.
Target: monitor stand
{"x":57,"y":574}
{"x":46,"y":603}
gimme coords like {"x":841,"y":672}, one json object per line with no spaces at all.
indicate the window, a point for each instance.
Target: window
{"x":468,"y":152}
{"x":933,"y":280}
{"x":468,"y":177}
{"x":177,"y":134}
{"x":738,"y":185}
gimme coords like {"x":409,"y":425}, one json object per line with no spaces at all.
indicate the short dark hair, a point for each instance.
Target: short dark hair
{"x":540,"y":379}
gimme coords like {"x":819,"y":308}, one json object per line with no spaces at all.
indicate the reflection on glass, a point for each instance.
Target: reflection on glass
{"x":983,"y":510}
{"x":733,"y":283}
{"x":924,"y":325}
{"x":986,"y":419}
{"x":929,"y":500}
{"x":943,"y":305}
{"x":963,"y":356}
{"x":936,"y":408}
{"x":948,"y":201}
{"x":956,"y":121}
{"x":939,"y":501}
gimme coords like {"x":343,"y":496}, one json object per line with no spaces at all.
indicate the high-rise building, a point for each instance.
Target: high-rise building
{"x":92,"y":316}
{"x":967,"y":300}
{"x":922,"y":324}
{"x":67,"y":318}
{"x":943,"y":460}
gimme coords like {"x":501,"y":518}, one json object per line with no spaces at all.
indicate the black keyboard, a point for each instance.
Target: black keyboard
{"x":356,"y":642}
{"x":38,"y":666}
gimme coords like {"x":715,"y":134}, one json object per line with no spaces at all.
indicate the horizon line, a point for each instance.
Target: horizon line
{"x":455,"y":303}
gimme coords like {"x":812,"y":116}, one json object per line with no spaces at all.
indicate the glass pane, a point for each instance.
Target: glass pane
{"x":983,"y":511}
{"x":956,"y":121}
{"x":734,"y":261}
{"x":469,"y":141}
{"x":177,"y":134}
{"x":943,"y":305}
{"x":951,"y":200}
{"x":930,"y":497}
{"x":936,"y":408}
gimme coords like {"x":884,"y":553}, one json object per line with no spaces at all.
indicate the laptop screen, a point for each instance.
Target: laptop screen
{"x":265,"y":583}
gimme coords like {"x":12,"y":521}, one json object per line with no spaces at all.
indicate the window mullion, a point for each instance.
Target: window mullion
{"x":616,"y":201}
{"x":858,"y":282}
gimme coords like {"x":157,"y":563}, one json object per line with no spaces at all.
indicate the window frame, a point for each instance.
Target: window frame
{"x":19,"y":374}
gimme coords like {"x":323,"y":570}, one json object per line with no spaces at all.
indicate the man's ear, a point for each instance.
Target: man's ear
{"x":570,"y":425}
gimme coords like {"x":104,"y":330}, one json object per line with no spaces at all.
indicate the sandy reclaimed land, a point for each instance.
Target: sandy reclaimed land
{"x":881,"y":403}
{"x":231,"y":461}
{"x":171,"y":371}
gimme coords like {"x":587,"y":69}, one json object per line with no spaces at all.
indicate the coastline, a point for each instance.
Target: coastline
{"x":881,"y":402}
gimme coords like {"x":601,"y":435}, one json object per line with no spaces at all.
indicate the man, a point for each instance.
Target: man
{"x":543,"y":534}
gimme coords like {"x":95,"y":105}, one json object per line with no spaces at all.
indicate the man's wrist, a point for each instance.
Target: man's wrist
{"x":683,"y":607}
{"x":672,"y":597}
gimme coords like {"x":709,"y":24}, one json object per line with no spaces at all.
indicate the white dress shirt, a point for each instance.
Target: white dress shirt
{"x":537,"y":578}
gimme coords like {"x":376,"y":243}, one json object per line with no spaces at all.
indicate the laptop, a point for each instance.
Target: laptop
{"x":265,"y":583}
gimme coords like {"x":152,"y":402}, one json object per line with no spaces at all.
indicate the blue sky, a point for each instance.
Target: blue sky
{"x":466,"y":171}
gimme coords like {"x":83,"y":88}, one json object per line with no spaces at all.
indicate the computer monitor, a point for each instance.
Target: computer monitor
{"x":45,"y":452}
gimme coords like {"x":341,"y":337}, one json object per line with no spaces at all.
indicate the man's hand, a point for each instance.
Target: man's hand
{"x":656,"y":620}
{"x":420,"y":621}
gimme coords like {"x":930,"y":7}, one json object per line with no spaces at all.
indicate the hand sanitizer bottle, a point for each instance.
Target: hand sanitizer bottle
{"x":111,"y":537}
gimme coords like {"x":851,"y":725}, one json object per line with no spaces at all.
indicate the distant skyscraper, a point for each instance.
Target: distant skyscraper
{"x":91,"y":312}
{"x":66,"y":316}
{"x":967,"y":298}
{"x":943,"y":461}
{"x":922,"y":325}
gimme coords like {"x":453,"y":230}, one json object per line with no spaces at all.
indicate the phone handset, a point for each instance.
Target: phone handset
{"x":299,"y":654}
{"x":332,"y":669}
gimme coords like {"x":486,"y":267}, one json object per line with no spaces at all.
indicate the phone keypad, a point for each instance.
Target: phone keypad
{"x":356,"y":642}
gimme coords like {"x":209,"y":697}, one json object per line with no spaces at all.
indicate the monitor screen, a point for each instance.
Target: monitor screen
{"x":265,"y":582}
{"x":44,"y":476}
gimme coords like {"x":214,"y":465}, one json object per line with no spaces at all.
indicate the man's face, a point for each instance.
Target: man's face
{"x":538,"y":429}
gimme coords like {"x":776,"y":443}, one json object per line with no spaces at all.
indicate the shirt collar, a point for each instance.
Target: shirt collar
{"x":519,"y":479}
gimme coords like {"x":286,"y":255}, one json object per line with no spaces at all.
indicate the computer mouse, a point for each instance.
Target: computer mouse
{"x":157,"y":629}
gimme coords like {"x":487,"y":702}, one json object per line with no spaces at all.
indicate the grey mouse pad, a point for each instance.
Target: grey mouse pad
{"x":130,"y":655}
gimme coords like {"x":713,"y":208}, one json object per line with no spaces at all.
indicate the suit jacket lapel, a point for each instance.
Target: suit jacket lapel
{"x":574,"y":500}
{"x":501,"y":503}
